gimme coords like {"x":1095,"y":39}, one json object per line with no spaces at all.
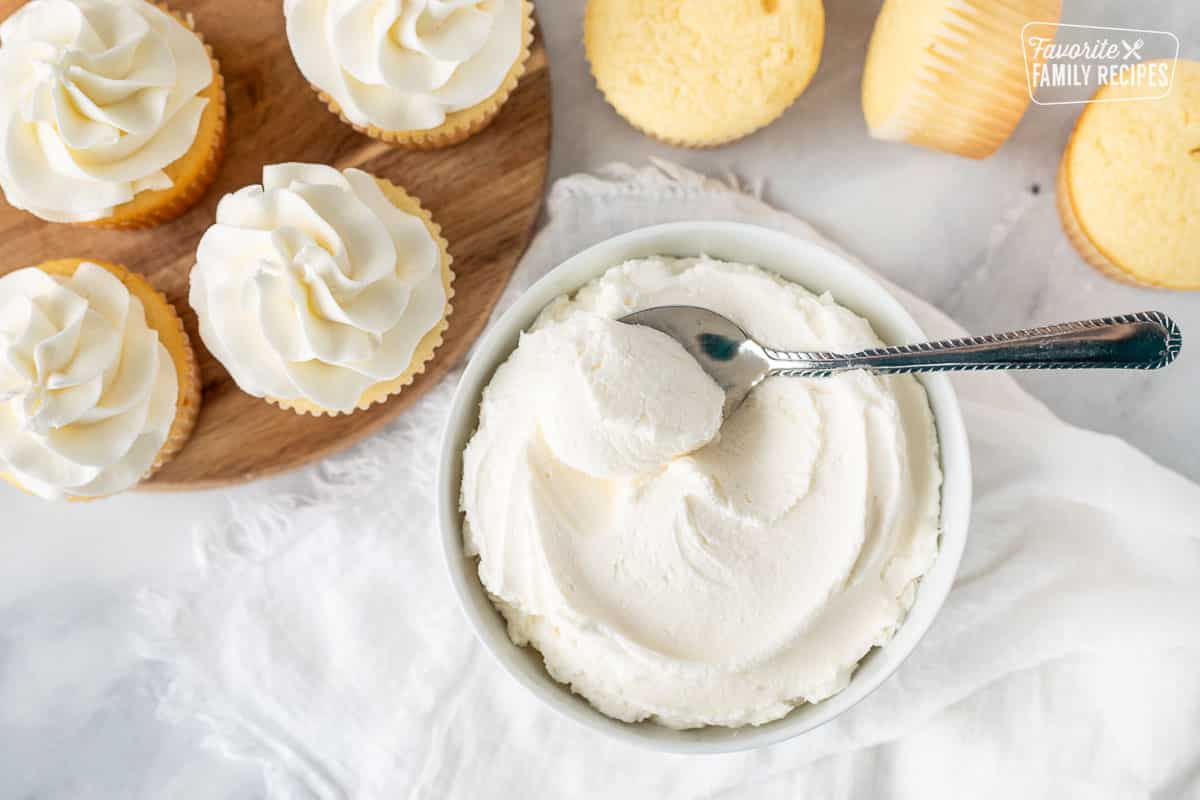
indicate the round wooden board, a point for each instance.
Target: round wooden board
{"x":485,"y":193}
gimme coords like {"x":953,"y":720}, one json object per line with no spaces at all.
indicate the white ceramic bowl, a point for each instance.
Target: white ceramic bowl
{"x":802,"y":262}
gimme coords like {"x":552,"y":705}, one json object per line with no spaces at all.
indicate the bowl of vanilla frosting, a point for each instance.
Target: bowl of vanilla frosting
{"x":672,"y":578}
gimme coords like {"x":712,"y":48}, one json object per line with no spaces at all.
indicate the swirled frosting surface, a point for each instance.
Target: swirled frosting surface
{"x":404,"y":64}
{"x":96,"y":98}
{"x":87,"y":391}
{"x":670,"y":571}
{"x":314,"y":286}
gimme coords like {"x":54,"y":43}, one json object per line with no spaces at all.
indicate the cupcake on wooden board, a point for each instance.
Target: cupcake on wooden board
{"x":417,"y":73}
{"x":98,"y":383}
{"x":701,"y":74}
{"x":950,"y":74}
{"x":1129,"y":183}
{"x":112,"y":112}
{"x":322,"y":291}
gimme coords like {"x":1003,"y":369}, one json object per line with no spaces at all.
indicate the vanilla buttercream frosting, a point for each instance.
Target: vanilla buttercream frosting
{"x":87,"y":391}
{"x":670,"y":571}
{"x":404,"y":64}
{"x":97,"y":97}
{"x":314,"y":286}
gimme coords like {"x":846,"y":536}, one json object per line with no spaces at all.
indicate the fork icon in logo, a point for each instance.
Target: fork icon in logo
{"x":1133,"y":50}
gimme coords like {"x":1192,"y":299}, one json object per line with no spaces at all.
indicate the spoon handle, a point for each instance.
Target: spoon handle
{"x":1146,"y":340}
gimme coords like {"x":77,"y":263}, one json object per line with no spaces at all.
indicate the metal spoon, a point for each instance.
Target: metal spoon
{"x":1146,"y":340}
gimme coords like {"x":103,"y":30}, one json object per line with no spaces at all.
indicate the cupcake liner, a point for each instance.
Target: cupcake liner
{"x":166,"y":322}
{"x":156,"y":206}
{"x":691,"y":144}
{"x":970,"y":88}
{"x":458,"y":125}
{"x":674,"y":141}
{"x":431,"y":341}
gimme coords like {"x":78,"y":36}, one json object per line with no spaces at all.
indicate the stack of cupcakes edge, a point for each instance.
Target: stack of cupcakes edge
{"x":189,"y":175}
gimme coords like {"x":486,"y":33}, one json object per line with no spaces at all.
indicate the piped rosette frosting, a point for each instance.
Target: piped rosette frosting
{"x":87,"y":390}
{"x":314,"y":287}
{"x":97,"y":97}
{"x":405,"y":64}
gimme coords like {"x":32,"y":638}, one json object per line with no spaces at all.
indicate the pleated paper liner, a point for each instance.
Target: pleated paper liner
{"x":966,"y":89}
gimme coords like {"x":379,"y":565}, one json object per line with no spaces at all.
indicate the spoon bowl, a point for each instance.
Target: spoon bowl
{"x":730,"y":357}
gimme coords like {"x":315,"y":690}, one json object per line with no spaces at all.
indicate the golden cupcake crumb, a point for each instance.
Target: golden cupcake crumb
{"x":1129,"y":183}
{"x":702,"y":74}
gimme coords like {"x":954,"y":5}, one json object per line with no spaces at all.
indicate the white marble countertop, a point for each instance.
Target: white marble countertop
{"x":981,"y":240}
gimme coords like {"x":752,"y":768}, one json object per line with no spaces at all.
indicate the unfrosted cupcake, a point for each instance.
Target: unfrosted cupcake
{"x":416,"y":73}
{"x":704,"y":73}
{"x":112,"y":111}
{"x":1129,"y":182}
{"x":950,"y":74}
{"x":98,"y":383}
{"x":322,"y":291}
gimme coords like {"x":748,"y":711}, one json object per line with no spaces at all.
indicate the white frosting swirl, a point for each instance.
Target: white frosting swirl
{"x":721,"y":586}
{"x":96,"y":98}
{"x":404,"y":64}
{"x":87,"y":392}
{"x":314,"y":286}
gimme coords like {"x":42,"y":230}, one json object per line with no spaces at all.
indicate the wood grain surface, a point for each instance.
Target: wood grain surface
{"x":486,"y":193}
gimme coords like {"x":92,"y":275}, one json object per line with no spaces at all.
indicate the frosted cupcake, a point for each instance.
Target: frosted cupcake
{"x":417,"y":73}
{"x":1129,"y":183}
{"x":112,"y":112}
{"x":702,"y":74}
{"x":320,"y":290}
{"x":98,"y":383}
{"x":949,"y":74}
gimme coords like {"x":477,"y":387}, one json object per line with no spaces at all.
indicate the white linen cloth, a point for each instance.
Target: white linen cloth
{"x":320,"y":637}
